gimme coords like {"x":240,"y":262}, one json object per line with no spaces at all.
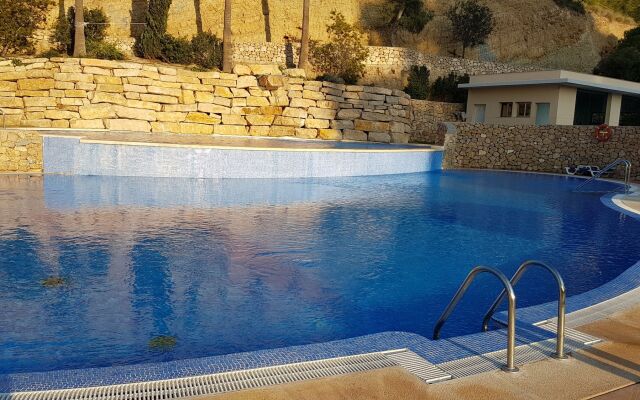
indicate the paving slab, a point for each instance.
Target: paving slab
{"x":608,"y":370}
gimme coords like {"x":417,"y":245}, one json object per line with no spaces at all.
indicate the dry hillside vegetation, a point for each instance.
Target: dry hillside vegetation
{"x":526,"y":31}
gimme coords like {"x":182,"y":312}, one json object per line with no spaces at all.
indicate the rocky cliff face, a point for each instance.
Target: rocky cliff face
{"x":526,"y":32}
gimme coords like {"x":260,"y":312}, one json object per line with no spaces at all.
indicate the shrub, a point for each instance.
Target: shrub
{"x":472,"y":23}
{"x":96,"y":24}
{"x":331,"y":78}
{"x":574,"y":5}
{"x":50,"y":53}
{"x":418,"y":86}
{"x":19,"y":19}
{"x":624,"y":61}
{"x":446,"y":89}
{"x":343,"y":56}
{"x":176,"y":50}
{"x":104,"y":51}
{"x":207,"y":50}
{"x":61,"y":38}
{"x":95,"y":30}
{"x":152,"y":41}
{"x":413,"y":16}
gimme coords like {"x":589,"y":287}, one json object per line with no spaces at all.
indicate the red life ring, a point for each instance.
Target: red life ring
{"x":603,"y":133}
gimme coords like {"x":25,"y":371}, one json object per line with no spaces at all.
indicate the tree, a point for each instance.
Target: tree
{"x":342,"y":58}
{"x":227,"y":39}
{"x":79,"y":43}
{"x":19,"y":19}
{"x":95,"y":32}
{"x":304,"y":47}
{"x":445,"y":89}
{"x":624,"y":61}
{"x":408,"y":15}
{"x":418,"y":85}
{"x":150,"y":42}
{"x":472,"y":23}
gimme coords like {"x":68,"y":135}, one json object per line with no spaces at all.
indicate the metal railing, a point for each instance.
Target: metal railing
{"x":611,"y":167}
{"x":511,"y":326}
{"x":561,"y":303}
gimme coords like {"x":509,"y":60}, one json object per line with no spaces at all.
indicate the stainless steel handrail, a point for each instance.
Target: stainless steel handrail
{"x":511,"y":326}
{"x":613,"y":165}
{"x":561,"y":302}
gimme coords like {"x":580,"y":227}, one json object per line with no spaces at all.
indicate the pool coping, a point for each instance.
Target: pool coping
{"x":84,"y":136}
{"x":618,"y":291}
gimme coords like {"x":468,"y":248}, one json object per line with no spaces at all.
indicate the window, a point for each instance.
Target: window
{"x":506,"y":110}
{"x":524,"y":109}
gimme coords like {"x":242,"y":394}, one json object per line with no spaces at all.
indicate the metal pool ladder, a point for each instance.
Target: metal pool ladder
{"x":559,"y":354}
{"x":611,"y":167}
{"x":511,"y":326}
{"x":508,"y":292}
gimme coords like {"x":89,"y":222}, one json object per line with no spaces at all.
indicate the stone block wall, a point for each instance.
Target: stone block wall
{"x":20,"y":151}
{"x":439,"y":65}
{"x":258,"y":100}
{"x":428,"y":117}
{"x":537,"y":148}
{"x":381,"y":60}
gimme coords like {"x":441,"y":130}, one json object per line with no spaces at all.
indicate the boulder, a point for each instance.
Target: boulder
{"x":127,"y":125}
{"x":330,"y":134}
{"x":97,"y":111}
{"x":272,"y":82}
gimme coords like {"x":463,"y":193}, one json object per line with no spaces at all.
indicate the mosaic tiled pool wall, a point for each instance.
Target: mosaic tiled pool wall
{"x":71,"y":155}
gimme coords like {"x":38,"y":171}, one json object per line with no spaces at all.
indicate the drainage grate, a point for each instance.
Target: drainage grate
{"x":525,"y":354}
{"x":571,"y":334}
{"x":418,"y":366}
{"x":216,"y":383}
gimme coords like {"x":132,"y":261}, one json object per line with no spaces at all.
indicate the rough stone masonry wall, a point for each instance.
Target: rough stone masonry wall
{"x":379,"y":57}
{"x":537,"y":148}
{"x":428,"y":117}
{"x":20,"y":151}
{"x":255,"y":100}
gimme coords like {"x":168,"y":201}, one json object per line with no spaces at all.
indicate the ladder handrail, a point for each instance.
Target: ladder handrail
{"x":511,"y":326}
{"x":561,"y":302}
{"x":613,"y":165}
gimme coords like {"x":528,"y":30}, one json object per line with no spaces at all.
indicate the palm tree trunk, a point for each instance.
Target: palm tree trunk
{"x":227,"y":39}
{"x":79,"y":46}
{"x":304,"y":47}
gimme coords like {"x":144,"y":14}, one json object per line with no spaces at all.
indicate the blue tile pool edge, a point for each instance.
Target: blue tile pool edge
{"x":434,"y":351}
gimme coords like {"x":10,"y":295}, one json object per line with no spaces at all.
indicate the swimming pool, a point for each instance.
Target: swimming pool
{"x":224,"y":266}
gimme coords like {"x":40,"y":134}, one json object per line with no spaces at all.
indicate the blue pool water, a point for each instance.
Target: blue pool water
{"x":240,"y":265}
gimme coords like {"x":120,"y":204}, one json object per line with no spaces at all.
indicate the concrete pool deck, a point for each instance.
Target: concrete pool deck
{"x":601,"y":370}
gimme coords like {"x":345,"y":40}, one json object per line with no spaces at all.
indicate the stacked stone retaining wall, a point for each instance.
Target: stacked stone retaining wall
{"x":428,"y":117}
{"x":537,"y":148}
{"x":259,"y":100}
{"x":20,"y":151}
{"x":380,"y":59}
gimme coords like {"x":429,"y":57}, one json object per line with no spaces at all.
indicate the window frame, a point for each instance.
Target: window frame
{"x":527,"y":107}
{"x":510,"y":106}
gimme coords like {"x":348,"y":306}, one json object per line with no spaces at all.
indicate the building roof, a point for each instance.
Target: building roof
{"x":557,"y":77}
